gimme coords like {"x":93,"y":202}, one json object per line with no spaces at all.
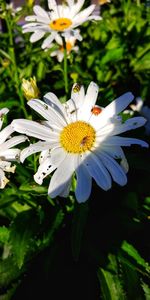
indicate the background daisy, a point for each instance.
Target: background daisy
{"x":59,"y":20}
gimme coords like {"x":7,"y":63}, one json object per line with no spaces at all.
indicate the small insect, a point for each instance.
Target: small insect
{"x":84,"y":141}
{"x":96,"y":110}
{"x":77,"y":88}
{"x":73,"y":111}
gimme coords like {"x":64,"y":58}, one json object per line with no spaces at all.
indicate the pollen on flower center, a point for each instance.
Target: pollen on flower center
{"x":60,"y":24}
{"x":77,"y":137}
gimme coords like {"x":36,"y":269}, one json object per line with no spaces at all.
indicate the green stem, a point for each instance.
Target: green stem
{"x":65,"y":67}
{"x":14,"y":64}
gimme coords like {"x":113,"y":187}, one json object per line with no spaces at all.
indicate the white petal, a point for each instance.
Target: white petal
{"x":34,"y":129}
{"x":39,"y":11}
{"x":48,"y":41}
{"x":4,"y":165}
{"x":43,"y":155}
{"x":89,"y":101}
{"x":5,"y":133}
{"x":66,"y":189}
{"x":53,"y":8}
{"x":52,"y":100}
{"x":13,"y":142}
{"x":61,"y":176}
{"x":4,"y":111}
{"x":33,"y":148}
{"x":47,"y":112}
{"x":117,"y":153}
{"x":114,"y":168}
{"x":123,"y":141}
{"x":44,"y":170}
{"x":84,"y":184}
{"x":76,"y":8}
{"x":83,"y":15}
{"x":36,"y":36}
{"x":30,"y":18}
{"x":3,"y":179}
{"x":97,"y":170}
{"x":115,"y":129}
{"x":57,"y":156}
{"x":114,"y":108}
{"x":10,"y":154}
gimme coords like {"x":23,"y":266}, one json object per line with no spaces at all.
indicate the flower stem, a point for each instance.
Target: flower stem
{"x":14,"y":64}
{"x":65,"y":67}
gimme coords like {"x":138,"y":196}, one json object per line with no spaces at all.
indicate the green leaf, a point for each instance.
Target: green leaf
{"x":131,"y":278}
{"x":131,"y":251}
{"x":110,"y":281}
{"x":5,"y":54}
{"x":78,"y":226}
{"x":9,"y":271}
{"x":112,"y":55}
{"x":22,"y":234}
{"x":33,"y":187}
{"x":4,"y":234}
{"x":48,"y":237}
{"x":146,"y":290}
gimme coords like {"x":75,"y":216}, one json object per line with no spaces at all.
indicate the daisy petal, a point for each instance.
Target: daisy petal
{"x":76,"y":8}
{"x":89,"y":101}
{"x":39,"y":11}
{"x":33,"y":148}
{"x":66,"y":189}
{"x":97,"y":170}
{"x":32,"y":128}
{"x":53,"y":9}
{"x":13,"y":142}
{"x":5,"y":133}
{"x":3,"y":179}
{"x":47,"y":112}
{"x":61,"y":176}
{"x":123,"y":141}
{"x":36,"y":36}
{"x":114,"y":108}
{"x":10,"y":154}
{"x":44,"y":170}
{"x":84,"y":184}
{"x":84,"y":14}
{"x":114,"y":168}
{"x":48,"y":41}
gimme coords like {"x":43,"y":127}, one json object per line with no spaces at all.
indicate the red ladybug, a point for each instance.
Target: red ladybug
{"x":96,"y":110}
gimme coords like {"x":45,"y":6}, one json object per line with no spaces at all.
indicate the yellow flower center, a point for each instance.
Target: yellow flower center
{"x":77,"y":137}
{"x":60,"y":24}
{"x":68,"y":47}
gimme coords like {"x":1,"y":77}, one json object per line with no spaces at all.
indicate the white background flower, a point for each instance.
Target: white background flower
{"x":77,"y":138}
{"x":70,"y":46}
{"x":62,"y":19}
{"x":7,"y":154}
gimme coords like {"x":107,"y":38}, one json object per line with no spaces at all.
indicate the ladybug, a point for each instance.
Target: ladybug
{"x":96,"y":110}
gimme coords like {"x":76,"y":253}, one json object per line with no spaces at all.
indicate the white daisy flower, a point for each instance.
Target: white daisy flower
{"x":59,"y":20}
{"x":79,"y":137}
{"x":7,"y":155}
{"x":70,"y":46}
